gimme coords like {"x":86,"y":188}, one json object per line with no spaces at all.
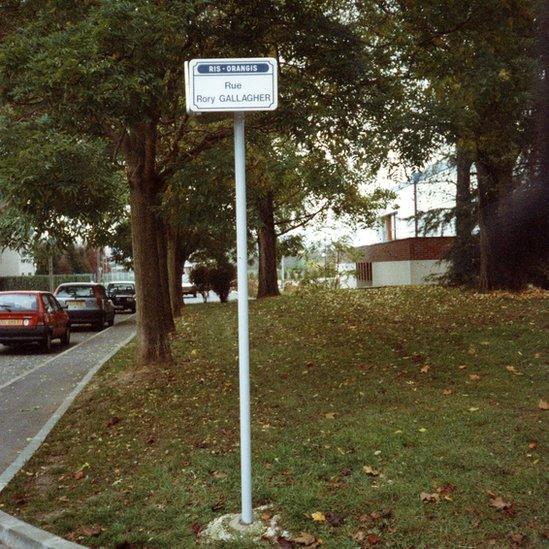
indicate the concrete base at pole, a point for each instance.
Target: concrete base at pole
{"x":228,"y":528}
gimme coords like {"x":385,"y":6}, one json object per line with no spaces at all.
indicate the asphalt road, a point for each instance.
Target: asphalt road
{"x":34,"y":385}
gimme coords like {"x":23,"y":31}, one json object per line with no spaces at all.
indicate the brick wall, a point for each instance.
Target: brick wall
{"x":430,"y":247}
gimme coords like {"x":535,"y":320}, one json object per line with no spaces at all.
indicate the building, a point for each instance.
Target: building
{"x":403,"y":249}
{"x":404,"y":261}
{"x":13,"y":263}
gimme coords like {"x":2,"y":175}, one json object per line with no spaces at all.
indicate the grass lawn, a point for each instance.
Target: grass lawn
{"x":406,"y":417}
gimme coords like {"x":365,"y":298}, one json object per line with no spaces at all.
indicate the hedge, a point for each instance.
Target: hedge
{"x":39,"y":282}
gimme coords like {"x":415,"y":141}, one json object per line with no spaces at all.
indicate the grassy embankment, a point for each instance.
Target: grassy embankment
{"x":362,"y":401}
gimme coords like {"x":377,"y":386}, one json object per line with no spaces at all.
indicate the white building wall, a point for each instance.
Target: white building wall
{"x":421,"y":270}
{"x":391,"y":273}
{"x":12,"y":263}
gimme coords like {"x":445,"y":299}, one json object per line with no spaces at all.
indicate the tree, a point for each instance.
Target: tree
{"x":473,"y":68}
{"x":114,"y":71}
{"x":291,"y":186}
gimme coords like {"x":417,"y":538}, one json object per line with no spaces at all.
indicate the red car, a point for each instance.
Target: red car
{"x":27,"y":317}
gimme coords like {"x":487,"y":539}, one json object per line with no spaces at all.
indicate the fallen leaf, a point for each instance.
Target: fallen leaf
{"x":533,"y":444}
{"x":472,"y":350}
{"x":513,"y":370}
{"x":113,"y":421}
{"x":543,"y":404}
{"x":283,"y":542}
{"x":266,"y":516}
{"x":307,"y":539}
{"x":429,"y":498}
{"x":90,"y":531}
{"x":318,"y":516}
{"x":369,"y":470}
{"x":447,"y":392}
{"x":79,"y":475}
{"x":359,"y":536}
{"x":422,"y":430}
{"x":517,"y":539}
{"x":330,"y":415}
{"x":334,"y":520}
{"x":499,"y":503}
{"x":345,"y":472}
{"x":446,"y":489}
{"x":474,"y":377}
{"x":473,"y":409}
{"x":373,"y":539}
{"x":424,"y":369}
{"x":196,"y":528}
{"x":462,"y":366}
{"x":219,"y":474}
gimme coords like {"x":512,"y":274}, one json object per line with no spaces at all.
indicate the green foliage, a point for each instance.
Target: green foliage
{"x":53,"y":186}
{"x":38,"y":282}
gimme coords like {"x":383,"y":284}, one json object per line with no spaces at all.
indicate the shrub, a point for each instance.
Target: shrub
{"x":220,"y":278}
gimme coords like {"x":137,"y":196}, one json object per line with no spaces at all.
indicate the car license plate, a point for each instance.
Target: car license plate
{"x":11,"y":322}
{"x":76,"y":304}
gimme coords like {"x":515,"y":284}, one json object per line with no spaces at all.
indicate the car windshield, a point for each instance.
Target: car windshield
{"x":121,"y":288}
{"x":75,"y":291}
{"x":18,"y":302}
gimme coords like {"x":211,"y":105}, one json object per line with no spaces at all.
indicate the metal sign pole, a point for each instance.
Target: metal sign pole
{"x":246,"y":516}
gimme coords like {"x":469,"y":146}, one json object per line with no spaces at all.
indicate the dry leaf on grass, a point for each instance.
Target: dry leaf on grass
{"x":318,"y":516}
{"x":90,"y":531}
{"x":499,"y":503}
{"x":330,"y":415}
{"x":447,"y":392}
{"x":543,"y":404}
{"x":513,"y":370}
{"x":424,"y":369}
{"x":306,"y":539}
{"x":373,"y":539}
{"x":369,"y":470}
{"x":474,"y":377}
{"x":429,"y":498}
{"x":333,"y":519}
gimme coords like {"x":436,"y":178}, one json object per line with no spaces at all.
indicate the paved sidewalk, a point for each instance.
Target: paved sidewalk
{"x":29,"y":404}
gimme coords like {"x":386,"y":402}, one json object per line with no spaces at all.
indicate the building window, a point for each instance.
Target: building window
{"x":388,"y":227}
{"x":364,"y":272}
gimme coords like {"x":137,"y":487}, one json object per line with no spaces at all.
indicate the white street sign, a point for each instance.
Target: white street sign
{"x":237,"y":85}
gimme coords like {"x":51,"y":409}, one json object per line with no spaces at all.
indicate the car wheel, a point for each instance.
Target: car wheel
{"x":66,"y":338}
{"x":46,"y":343}
{"x":111,"y":321}
{"x":99,"y":325}
{"x":133,"y":310}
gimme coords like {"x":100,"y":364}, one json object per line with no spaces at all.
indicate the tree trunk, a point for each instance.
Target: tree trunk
{"x":268,"y":277}
{"x":176,"y":264}
{"x":499,"y":269}
{"x":463,"y":251}
{"x":164,"y":294}
{"x":152,"y":337}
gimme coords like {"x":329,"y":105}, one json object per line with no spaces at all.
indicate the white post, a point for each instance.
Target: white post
{"x":282,"y":272}
{"x":246,"y":516}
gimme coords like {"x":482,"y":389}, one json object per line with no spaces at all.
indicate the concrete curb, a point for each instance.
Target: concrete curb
{"x":19,"y":535}
{"x":14,"y":532}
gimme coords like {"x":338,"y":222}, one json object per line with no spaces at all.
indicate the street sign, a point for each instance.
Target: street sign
{"x":237,"y":85}
{"x":231,"y":85}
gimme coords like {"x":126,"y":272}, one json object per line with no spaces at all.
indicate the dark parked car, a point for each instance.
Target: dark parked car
{"x":86,"y":303}
{"x":32,"y":317}
{"x":122,"y":295}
